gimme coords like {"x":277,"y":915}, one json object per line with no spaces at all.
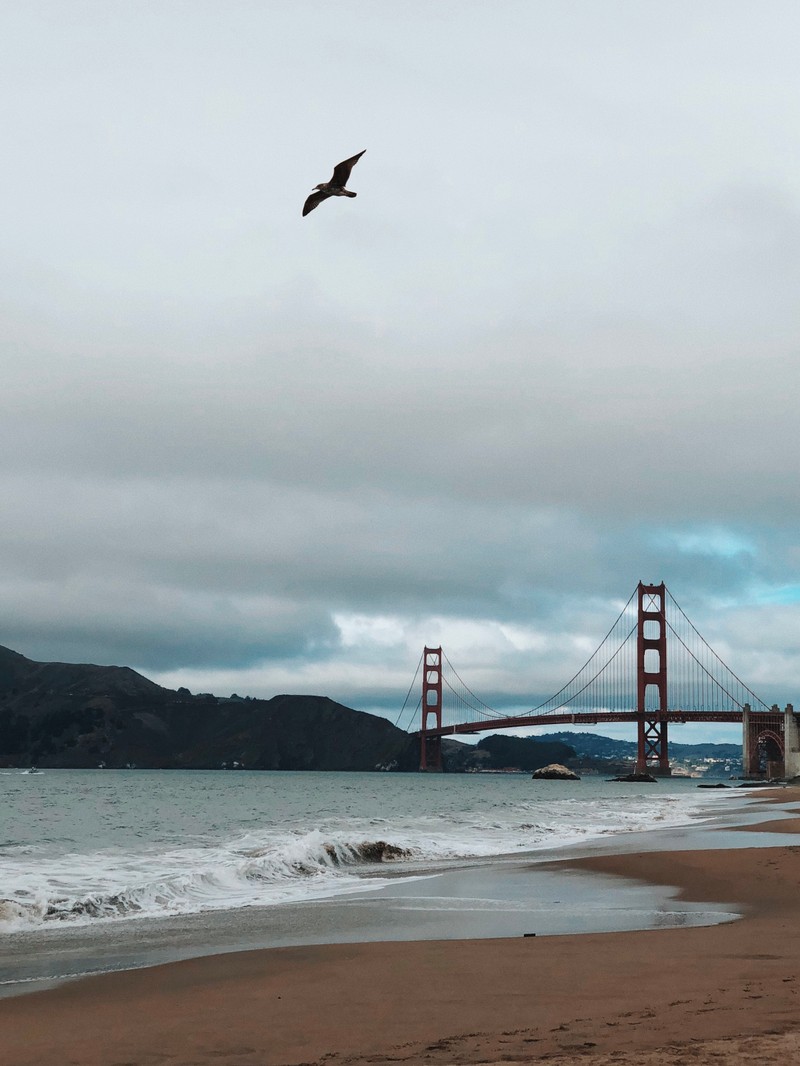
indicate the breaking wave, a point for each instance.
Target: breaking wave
{"x":194,"y":880}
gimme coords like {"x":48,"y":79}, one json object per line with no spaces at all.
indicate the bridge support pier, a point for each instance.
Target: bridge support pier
{"x":748,"y":740}
{"x":770,"y":743}
{"x":652,"y":752}
{"x":791,"y":743}
{"x":430,"y":755}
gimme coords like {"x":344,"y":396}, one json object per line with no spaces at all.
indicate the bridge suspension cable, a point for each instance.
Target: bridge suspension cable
{"x":461,"y":691}
{"x":606,"y":680}
{"x":408,"y":695}
{"x":612,"y":665}
{"x":694,"y":681}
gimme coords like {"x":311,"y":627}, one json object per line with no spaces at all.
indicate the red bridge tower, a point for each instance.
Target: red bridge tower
{"x":431,"y":747}
{"x":651,"y":681}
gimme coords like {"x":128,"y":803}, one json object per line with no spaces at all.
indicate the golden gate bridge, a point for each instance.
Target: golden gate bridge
{"x":652,"y":668}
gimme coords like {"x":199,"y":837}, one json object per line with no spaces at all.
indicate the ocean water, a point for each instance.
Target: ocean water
{"x":95,"y":849}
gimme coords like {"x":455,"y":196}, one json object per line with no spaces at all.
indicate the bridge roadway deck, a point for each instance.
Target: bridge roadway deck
{"x":581,"y":718}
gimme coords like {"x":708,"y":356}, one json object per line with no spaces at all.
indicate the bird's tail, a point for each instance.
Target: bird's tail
{"x":348,"y":193}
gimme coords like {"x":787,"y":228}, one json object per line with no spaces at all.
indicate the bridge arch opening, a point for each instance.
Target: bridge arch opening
{"x":652,"y":698}
{"x":769,"y":754}
{"x":652,"y":660}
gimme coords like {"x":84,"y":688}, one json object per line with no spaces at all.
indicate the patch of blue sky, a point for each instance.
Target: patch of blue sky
{"x":782,"y":594}
{"x":709,"y":541}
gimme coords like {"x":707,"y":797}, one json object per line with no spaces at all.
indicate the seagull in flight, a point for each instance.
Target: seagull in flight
{"x":334,"y":187}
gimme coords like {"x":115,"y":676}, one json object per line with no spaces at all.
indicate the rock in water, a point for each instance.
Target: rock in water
{"x":647,"y":778}
{"x":554,"y":772}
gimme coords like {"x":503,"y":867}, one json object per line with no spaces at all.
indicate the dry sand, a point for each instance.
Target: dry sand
{"x":726,"y":994}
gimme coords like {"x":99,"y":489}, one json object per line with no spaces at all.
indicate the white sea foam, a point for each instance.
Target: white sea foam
{"x":298,"y":848}
{"x":105,"y":885}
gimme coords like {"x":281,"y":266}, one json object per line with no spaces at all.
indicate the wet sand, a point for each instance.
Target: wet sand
{"x":725,"y":993}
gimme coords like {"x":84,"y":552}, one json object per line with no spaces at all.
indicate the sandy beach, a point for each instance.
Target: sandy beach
{"x":721,"y":994}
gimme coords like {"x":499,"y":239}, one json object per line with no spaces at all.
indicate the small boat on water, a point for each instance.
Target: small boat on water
{"x":33,"y":770}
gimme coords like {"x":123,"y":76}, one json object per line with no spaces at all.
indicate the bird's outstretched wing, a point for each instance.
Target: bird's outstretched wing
{"x":314,"y":200}
{"x":341,"y":172}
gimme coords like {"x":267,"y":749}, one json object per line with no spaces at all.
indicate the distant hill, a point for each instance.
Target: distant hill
{"x":524,"y":753}
{"x":593,"y":746}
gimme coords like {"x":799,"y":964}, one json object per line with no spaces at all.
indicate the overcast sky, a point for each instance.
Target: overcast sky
{"x":551,"y":349}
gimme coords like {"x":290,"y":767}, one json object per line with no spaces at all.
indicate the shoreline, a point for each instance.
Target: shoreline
{"x":653,"y":996}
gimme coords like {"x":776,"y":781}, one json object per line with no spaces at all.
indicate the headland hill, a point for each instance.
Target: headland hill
{"x":81,"y":716}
